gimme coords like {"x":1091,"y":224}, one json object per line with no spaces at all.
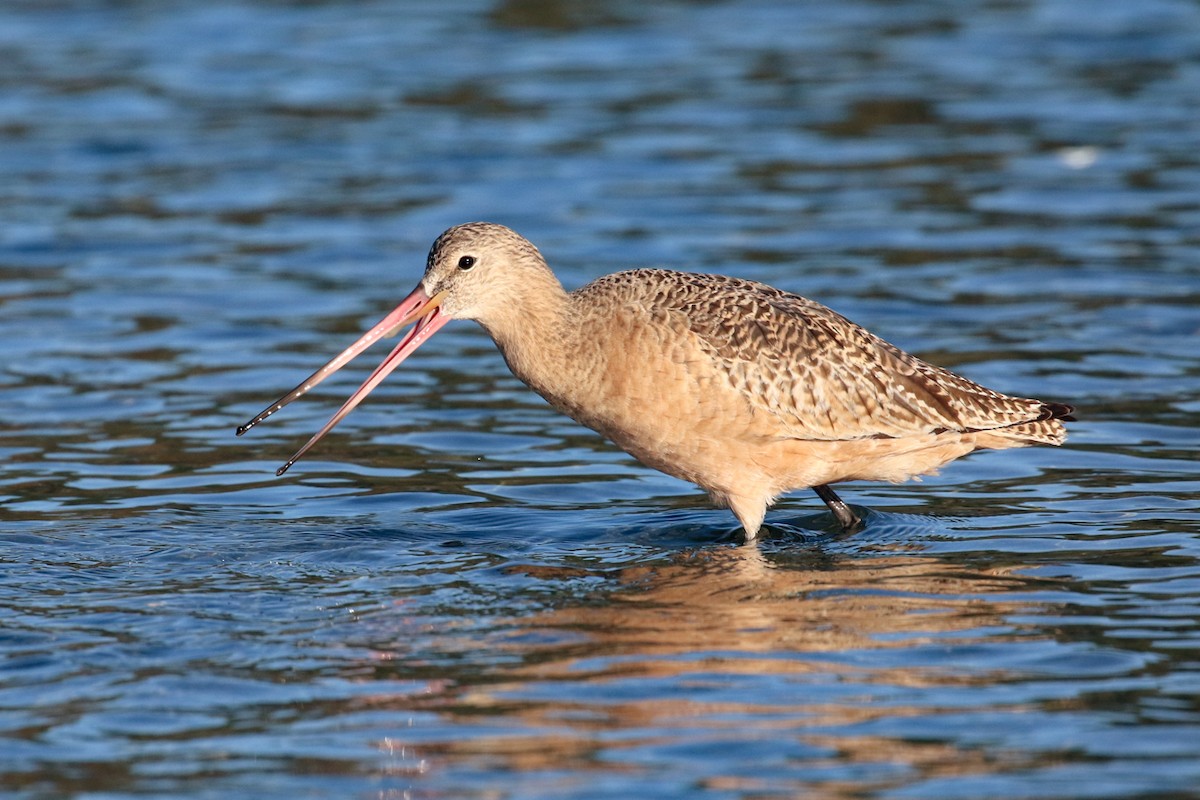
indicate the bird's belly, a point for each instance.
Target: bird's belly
{"x":689,"y":430}
{"x":730,"y":458}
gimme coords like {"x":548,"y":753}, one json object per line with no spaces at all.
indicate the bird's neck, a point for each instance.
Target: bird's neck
{"x":537,"y":337}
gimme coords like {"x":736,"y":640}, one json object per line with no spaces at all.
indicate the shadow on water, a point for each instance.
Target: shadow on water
{"x":745,"y":658}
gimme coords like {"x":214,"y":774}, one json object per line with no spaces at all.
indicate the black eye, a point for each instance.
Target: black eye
{"x":466,"y":262}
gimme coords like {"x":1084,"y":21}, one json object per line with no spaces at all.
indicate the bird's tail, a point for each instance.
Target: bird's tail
{"x":1048,"y":428}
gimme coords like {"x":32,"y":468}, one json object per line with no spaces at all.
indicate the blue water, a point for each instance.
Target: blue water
{"x":461,"y":593}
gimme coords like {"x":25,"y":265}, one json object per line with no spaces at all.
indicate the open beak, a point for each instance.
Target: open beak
{"x":418,"y":307}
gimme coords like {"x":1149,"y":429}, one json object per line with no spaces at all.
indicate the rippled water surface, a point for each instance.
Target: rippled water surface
{"x":462,"y":593}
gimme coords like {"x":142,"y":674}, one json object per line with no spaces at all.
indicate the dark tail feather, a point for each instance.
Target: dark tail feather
{"x":1058,"y":411}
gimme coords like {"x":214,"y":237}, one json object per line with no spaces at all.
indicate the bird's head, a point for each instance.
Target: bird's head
{"x":482,"y":270}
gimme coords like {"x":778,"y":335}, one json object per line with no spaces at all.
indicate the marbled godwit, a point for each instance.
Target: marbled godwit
{"x":742,"y":389}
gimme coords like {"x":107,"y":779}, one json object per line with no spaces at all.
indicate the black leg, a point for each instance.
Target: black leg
{"x":845,"y":517}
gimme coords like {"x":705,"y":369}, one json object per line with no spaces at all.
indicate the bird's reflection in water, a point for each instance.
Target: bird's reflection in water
{"x":717,"y":648}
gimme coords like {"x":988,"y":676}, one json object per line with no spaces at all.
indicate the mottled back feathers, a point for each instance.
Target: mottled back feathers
{"x":821,"y":376}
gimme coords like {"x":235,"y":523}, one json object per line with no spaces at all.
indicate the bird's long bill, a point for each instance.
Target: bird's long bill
{"x":418,"y":307}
